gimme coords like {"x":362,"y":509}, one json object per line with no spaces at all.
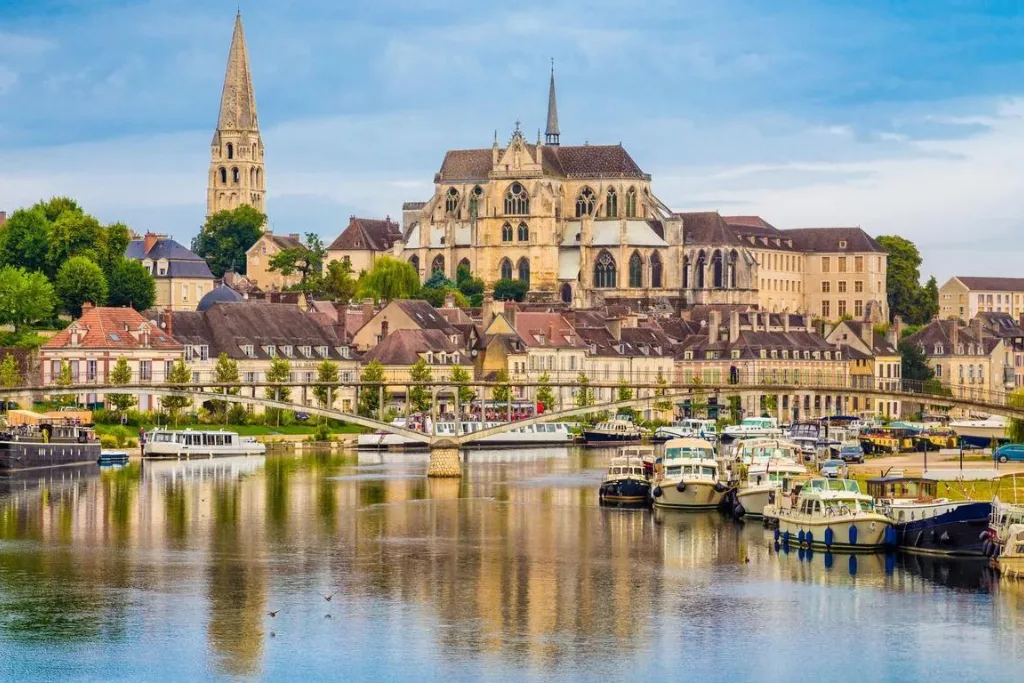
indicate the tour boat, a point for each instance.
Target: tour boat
{"x":685,"y":429}
{"x":1011,"y":560}
{"x":29,"y":446}
{"x":616,"y":430}
{"x":923,"y":523}
{"x":752,"y":427}
{"x":688,"y":477}
{"x":540,"y":434}
{"x":188,"y":443}
{"x":833,"y":514}
{"x":626,"y":482}
{"x":980,"y":433}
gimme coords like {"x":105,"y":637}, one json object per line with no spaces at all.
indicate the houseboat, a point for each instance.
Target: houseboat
{"x":170,"y":444}
{"x":686,"y":429}
{"x":534,"y":435}
{"x":613,"y":431}
{"x":626,"y":482}
{"x":752,"y":427}
{"x":834,"y":515}
{"x":688,"y":476}
{"x":924,"y":523}
{"x":49,"y":444}
{"x":1003,"y":516}
{"x":112,"y":458}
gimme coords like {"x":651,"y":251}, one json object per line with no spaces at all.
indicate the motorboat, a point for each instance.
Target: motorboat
{"x":188,"y":443}
{"x":532,"y":435}
{"x":689,"y":428}
{"x":1011,"y":560}
{"x":766,"y":481}
{"x":626,"y":482}
{"x":925,"y":523}
{"x":109,"y":458}
{"x":1002,"y":517}
{"x":834,"y":515}
{"x":45,"y":445}
{"x":688,"y":476}
{"x":616,"y":430}
{"x":981,"y":433}
{"x":752,"y":427}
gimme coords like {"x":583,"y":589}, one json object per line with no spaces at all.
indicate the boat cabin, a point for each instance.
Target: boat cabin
{"x":190,"y":438}
{"x":897,"y":488}
{"x":623,"y":466}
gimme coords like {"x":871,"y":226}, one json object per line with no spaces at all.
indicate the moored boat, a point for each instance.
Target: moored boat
{"x":765,"y":482}
{"x":686,"y":429}
{"x":626,"y":482}
{"x":1001,"y":519}
{"x":112,"y":458}
{"x":56,"y":444}
{"x":833,"y":514}
{"x":189,"y":443}
{"x":981,"y":433}
{"x":616,"y":430}
{"x":752,"y":427}
{"x":532,"y":435}
{"x":1011,"y":561}
{"x":688,"y":476}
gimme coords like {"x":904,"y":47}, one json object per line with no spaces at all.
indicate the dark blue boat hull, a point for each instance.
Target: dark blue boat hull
{"x":601,"y":437}
{"x":957,"y":532}
{"x":625,"y":492}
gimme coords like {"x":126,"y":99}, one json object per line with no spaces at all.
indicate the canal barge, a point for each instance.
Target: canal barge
{"x":532,"y":435}
{"x":626,"y":483}
{"x":614,"y":431}
{"x":49,"y":444}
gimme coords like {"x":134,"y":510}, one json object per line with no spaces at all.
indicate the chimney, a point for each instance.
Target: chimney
{"x":714,"y":324}
{"x":614,"y":326}
{"x":954,"y":335}
{"x":449,"y":300}
{"x":896,"y":330}
{"x":510,"y":311}
{"x":149,"y":242}
{"x":487,"y":310}
{"x":86,"y":306}
{"x":808,"y":322}
{"x":168,"y":322}
{"x":734,"y":326}
{"x":767,"y":321}
{"x":551,"y":331}
{"x":755,"y":318}
{"x":977,"y":331}
{"x":867,"y":333}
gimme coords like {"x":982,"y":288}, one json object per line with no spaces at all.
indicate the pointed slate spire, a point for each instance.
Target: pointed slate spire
{"x":238,"y":100}
{"x":551,"y":135}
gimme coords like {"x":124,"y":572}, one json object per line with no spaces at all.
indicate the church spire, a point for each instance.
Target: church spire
{"x":237,"y":99}
{"x":551,"y":135}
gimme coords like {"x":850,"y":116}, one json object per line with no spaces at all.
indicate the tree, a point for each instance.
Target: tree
{"x":419,"y":397}
{"x":338,"y":283}
{"x":121,"y":375}
{"x":466,"y":393}
{"x":226,"y":236}
{"x":24,"y":297}
{"x":928,"y":300}
{"x":584,"y":395}
{"x":471,"y":287}
{"x":501,"y":392}
{"x":903,"y":281}
{"x":389,"y":279}
{"x":25,"y":239}
{"x":326,"y":376}
{"x":771,"y":403}
{"x":914,"y":366}
{"x":698,"y":398}
{"x":1015,"y":430}
{"x":625,"y":391}
{"x":225,"y":372}
{"x":510,"y":290}
{"x":306,"y":259}
{"x":735,"y":408}
{"x":10,"y":374}
{"x":79,"y":281}
{"x":55,"y":207}
{"x":545,"y":395}
{"x":130,"y":284}
{"x":74,"y":234}
{"x":280,"y":370}
{"x":116,"y":237}
{"x":369,"y":396}
{"x":436,"y":297}
{"x":180,"y":376}
{"x":662,"y":403}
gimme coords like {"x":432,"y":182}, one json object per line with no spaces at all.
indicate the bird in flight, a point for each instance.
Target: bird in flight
{"x":327,"y":597}
{"x":273,"y":614}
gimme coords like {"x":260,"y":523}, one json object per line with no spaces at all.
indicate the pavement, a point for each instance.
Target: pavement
{"x":947,"y":459}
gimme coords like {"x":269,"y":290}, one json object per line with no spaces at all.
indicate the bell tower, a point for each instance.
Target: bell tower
{"x":236,"y":153}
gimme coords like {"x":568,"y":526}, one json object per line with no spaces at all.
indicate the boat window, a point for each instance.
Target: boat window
{"x":708,"y":471}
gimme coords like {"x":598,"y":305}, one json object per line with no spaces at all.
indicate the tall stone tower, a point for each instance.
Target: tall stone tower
{"x":236,"y":153}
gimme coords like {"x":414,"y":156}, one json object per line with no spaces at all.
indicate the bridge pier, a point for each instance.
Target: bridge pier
{"x":444,"y":460}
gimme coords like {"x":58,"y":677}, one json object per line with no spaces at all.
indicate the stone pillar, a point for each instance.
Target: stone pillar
{"x":444,"y":462}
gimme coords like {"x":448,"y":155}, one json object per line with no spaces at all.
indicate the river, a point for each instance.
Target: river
{"x":168,"y":572}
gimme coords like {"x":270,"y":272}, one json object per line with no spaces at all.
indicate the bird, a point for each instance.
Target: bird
{"x":273,"y":614}
{"x":327,"y":597}
{"x":327,"y":616}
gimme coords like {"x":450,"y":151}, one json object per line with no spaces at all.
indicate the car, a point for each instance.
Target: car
{"x":851,"y":453}
{"x":1010,"y":451}
{"x":834,"y":469}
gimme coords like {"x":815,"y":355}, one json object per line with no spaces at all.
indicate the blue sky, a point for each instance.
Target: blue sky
{"x":899,"y":117}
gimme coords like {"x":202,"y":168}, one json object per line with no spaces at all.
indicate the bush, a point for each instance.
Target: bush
{"x":108,"y":441}
{"x":121,"y":436}
{"x":505,"y":290}
{"x":237,"y":415}
{"x":323,"y":433}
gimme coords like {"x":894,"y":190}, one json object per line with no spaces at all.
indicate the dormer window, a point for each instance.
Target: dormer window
{"x":959,"y":349}
{"x":204,"y":352}
{"x":430,"y":357}
{"x":322,"y":350}
{"x":306,"y":351}
{"x":938,"y":349}
{"x":188,"y":353}
{"x":272,"y":351}
{"x":286,"y":351}
{"x":842,"y":244}
{"x":828,"y":355}
{"x":839,"y":355}
{"x":345,"y":351}
{"x":540,"y":339}
{"x":817,"y":355}
{"x":764,"y":353}
{"x":735,"y":353}
{"x":807,"y":355}
{"x":785,"y":354}
{"x":688,"y":355}
{"x":249,"y":350}
{"x":775,"y":353}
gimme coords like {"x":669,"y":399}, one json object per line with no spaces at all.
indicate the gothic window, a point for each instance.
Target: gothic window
{"x":235,"y":175}
{"x":451,"y":200}
{"x":517,"y":201}
{"x":566,"y":293}
{"x":585,"y":201}
{"x":698,"y":273}
{"x":636,"y":270}
{"x":524,"y":270}
{"x":254,"y":151}
{"x":223,"y":175}
{"x":474,"y":201}
{"x":505,"y":269}
{"x":686,"y":272}
{"x":506,"y":233}
{"x":523,"y":233}
{"x":252,"y":177}
{"x":717,"y":270}
{"x":655,"y":270}
{"x":733,"y":259}
{"x":438,"y":264}
{"x":231,"y":151}
{"x":631,"y":203}
{"x":604,"y":271}
{"x":611,"y":204}
{"x":415,"y":261}
{"x":259,"y":178}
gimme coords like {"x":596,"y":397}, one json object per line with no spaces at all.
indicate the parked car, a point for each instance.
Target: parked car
{"x":834,"y":469}
{"x":1011,"y":451}
{"x":851,"y":453}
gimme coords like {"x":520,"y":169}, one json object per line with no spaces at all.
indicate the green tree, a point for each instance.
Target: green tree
{"x":79,"y":281}
{"x":735,"y":408}
{"x":10,"y":374}
{"x":545,"y":394}
{"x":226,"y":236}
{"x":698,"y":398}
{"x":914,"y":365}
{"x":338,"y":283}
{"x":25,"y":297}
{"x":510,"y":290}
{"x":389,"y":279}
{"x":584,"y":395}
{"x":771,"y":403}
{"x":369,"y":396}
{"x":1015,"y":430}
{"x":307,"y":259}
{"x":55,"y":207}
{"x":179,"y":376}
{"x":74,"y":234}
{"x":625,"y":391}
{"x":25,"y":239}
{"x":419,"y":397}
{"x":502,"y":391}
{"x":121,"y":375}
{"x":64,"y":379}
{"x":130,"y":284}
{"x":928,"y":301}
{"x":662,"y":403}
{"x":436,"y":296}
{"x":461,"y":375}
{"x":116,"y":237}
{"x":280,"y":371}
{"x":225,"y":372}
{"x":903,"y":281}
{"x":326,"y":376}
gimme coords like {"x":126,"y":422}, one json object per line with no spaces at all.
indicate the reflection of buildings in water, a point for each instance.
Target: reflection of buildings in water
{"x":696,"y":539}
{"x":1008,"y":607}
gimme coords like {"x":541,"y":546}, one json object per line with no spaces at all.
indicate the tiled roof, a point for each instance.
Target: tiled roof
{"x":828,"y":239}
{"x":567,"y":161}
{"x":286,"y":241}
{"x":750,"y":343}
{"x":425,"y":315}
{"x":707,"y":228}
{"x":940,"y":332}
{"x":193,"y":269}
{"x":1005,"y":284}
{"x":181,"y":262}
{"x":413,"y":206}
{"x":1001,"y":325}
{"x":753,"y":224}
{"x":403,"y":347}
{"x":553,"y":326}
{"x":368,"y":233}
{"x":112,"y":328}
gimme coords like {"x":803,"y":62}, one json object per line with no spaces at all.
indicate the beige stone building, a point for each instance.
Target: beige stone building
{"x":403,"y":314}
{"x":363,"y":241}
{"x":182,"y":278}
{"x":965,"y":297}
{"x":257,"y":261}
{"x":875,"y":363}
{"x":236,"y":175}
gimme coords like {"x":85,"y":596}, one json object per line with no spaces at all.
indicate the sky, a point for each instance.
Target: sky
{"x":900,"y":117}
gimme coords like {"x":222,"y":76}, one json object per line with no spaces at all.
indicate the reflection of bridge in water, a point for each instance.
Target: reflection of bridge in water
{"x":817,"y":398}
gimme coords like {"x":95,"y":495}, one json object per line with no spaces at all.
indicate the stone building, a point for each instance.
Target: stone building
{"x":257,"y":261}
{"x":965,"y":297}
{"x":182,"y":278}
{"x":875,"y":362}
{"x":363,"y":241}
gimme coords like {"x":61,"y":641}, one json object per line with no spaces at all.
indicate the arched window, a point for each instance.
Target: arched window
{"x":505,"y":269}
{"x":717,"y":270}
{"x":517,"y":201}
{"x":566,"y":293}
{"x":523,"y":233}
{"x":259,"y":179}
{"x":631,"y":203}
{"x":733,"y":259}
{"x":655,"y":270}
{"x":686,"y":272}
{"x":223,"y":175}
{"x":604,"y":271}
{"x":585,"y":201}
{"x":698,"y":273}
{"x":636,"y":270}
{"x":611,"y":204}
{"x":235,"y":175}
{"x":464,"y":266}
{"x":451,"y":200}
{"x":254,"y":150}
{"x":506,"y":233}
{"x":415,"y":261}
{"x":524,"y":270}
{"x":231,"y":151}
{"x":437,"y":264}
{"x":252,"y":177}
{"x":474,"y":202}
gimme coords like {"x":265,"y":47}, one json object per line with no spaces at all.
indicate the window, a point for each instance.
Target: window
{"x":438,"y":264}
{"x":506,"y":233}
{"x":524,"y":232}
{"x":195,"y":377}
{"x":235,"y":176}
{"x":858,"y":264}
{"x":858,"y":286}
{"x":826,"y":264}
{"x":842,"y":307}
{"x":604,"y":271}
{"x":636,"y":270}
{"x":842,"y":264}
{"x":585,"y":202}
{"x":251,"y":377}
{"x":858,"y":308}
{"x":271,"y":351}
{"x":451,"y":200}
{"x":611,"y":204}
{"x":631,"y":203}
{"x":306,"y":351}
{"x":248,"y":350}
{"x":826,"y":309}
{"x":286,"y":351}
{"x":505,"y":269}
{"x":517,"y":201}
{"x":188,"y":353}
{"x":826,"y":286}
{"x":655,"y":270}
{"x":146,"y":369}
{"x":231,"y":151}
{"x":842,"y":286}
{"x":524,"y":270}
{"x":90,"y":369}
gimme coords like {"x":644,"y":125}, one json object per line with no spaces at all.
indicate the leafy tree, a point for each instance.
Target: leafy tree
{"x":389,"y":279}
{"x":928,"y":300}
{"x":471,"y":287}
{"x":510,"y":290}
{"x":735,"y":408}
{"x":226,"y":236}
{"x":64,"y":379}
{"x":438,"y":280}
{"x":280,"y":371}
{"x":24,"y":297}
{"x":180,"y":375}
{"x":225,"y":372}
{"x":903,"y":281}
{"x":121,"y":375}
{"x":80,"y":280}
{"x":625,"y":391}
{"x":130,"y":284}
{"x":584,"y":393}
{"x":115,"y":243}
{"x":914,"y":365}
{"x":662,"y":403}
{"x":436,"y":296}
{"x":501,"y":392}
{"x":25,"y":239}
{"x":326,"y":376}
{"x":698,"y":398}
{"x":338,"y":283}
{"x":545,"y":394}
{"x":1015,"y":430}
{"x":466,"y":393}
{"x":306,"y":259}
{"x":55,"y":207}
{"x":770,"y":403}
{"x":419,"y":397}
{"x":74,"y":234}
{"x":369,"y":396}
{"x":10,"y":374}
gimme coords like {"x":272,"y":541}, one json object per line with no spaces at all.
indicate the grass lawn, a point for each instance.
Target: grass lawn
{"x":970,"y":490}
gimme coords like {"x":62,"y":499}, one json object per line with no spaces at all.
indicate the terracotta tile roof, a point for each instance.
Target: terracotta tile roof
{"x":567,"y":161}
{"x":828,"y":239}
{"x":404,"y":347}
{"x":112,"y":328}
{"x":368,"y":234}
{"x":1005,"y":284}
{"x":552,"y":326}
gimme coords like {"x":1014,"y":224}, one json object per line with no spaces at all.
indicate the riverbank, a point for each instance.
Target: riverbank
{"x":947,"y":462}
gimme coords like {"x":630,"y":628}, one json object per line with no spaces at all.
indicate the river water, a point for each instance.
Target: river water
{"x":167,"y":572}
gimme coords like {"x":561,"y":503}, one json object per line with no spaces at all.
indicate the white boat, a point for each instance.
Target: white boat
{"x":626,"y":482}
{"x":980,"y":433}
{"x":1001,"y":519}
{"x":687,"y":429}
{"x":753,"y":427}
{"x":833,"y":514}
{"x":1011,"y":561}
{"x":188,"y":443}
{"x":688,"y":476}
{"x":547,"y":433}
{"x":616,"y":430}
{"x":772,"y":468}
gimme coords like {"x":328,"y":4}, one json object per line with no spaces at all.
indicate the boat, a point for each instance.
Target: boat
{"x":112,"y":458}
{"x":533,"y":435}
{"x":925,"y":523}
{"x":616,"y":430}
{"x":1011,"y":560}
{"x":626,"y":482}
{"x":688,"y":476}
{"x":833,"y":514}
{"x":936,"y":438}
{"x":768,"y":477}
{"x":49,"y":444}
{"x":888,"y":440}
{"x":981,"y":433}
{"x":1002,"y":517}
{"x":188,"y":443}
{"x":752,"y":427}
{"x":684,"y":429}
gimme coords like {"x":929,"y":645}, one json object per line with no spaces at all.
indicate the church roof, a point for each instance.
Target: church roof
{"x":828,"y":239}
{"x":219,"y":295}
{"x":238,"y":99}
{"x":566,"y":161}
{"x":707,"y":228}
{"x":552,"y":129}
{"x":368,"y":233}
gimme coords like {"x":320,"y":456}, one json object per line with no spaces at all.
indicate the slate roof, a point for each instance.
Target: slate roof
{"x":750,"y":343}
{"x":221,"y":294}
{"x":827,"y":240}
{"x":1005,"y":284}
{"x":707,"y":228}
{"x":879,"y":344}
{"x":567,"y":161}
{"x":425,"y":315}
{"x":941,"y":332}
{"x":1002,"y":325}
{"x":413,"y":206}
{"x":367,"y":233}
{"x":403,"y":347}
{"x":111,"y":328}
{"x":286,"y":241}
{"x":181,"y":262}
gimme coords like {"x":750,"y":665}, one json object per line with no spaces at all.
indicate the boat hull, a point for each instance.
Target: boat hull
{"x":701,"y":495}
{"x":804,"y":531}
{"x":625,"y":492}
{"x":957,"y":532}
{"x":754,"y":500}
{"x":606,"y":438}
{"x":19,"y":456}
